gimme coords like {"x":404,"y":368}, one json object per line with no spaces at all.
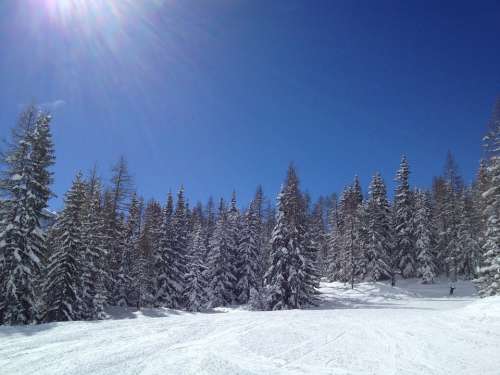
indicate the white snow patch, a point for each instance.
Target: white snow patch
{"x":373,"y":329}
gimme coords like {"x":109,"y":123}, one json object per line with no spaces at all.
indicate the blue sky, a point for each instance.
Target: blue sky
{"x":222,"y":95}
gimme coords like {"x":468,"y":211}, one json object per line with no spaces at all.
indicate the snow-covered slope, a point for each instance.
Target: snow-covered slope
{"x":374,"y":329}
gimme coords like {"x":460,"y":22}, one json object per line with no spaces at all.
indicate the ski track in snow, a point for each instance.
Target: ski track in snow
{"x":373,"y":329}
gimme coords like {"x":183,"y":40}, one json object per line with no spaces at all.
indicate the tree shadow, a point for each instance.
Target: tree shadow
{"x":357,"y":304}
{"x":26,"y":330}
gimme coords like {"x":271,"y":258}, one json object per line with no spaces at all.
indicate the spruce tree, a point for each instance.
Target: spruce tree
{"x":426,"y":268}
{"x":333,"y":243}
{"x":233,"y":231}
{"x":196,"y":283}
{"x":468,"y":248}
{"x":63,"y":288}
{"x":403,"y":222}
{"x":220,"y":270}
{"x":378,"y":232}
{"x":180,"y":228}
{"x":290,"y":280}
{"x":169,"y":269}
{"x":488,"y":280}
{"x":116,"y":204}
{"x":248,"y":256}
{"x":25,"y":186}
{"x":94,"y":273}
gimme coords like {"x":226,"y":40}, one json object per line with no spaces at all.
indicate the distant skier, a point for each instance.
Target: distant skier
{"x":453,"y":277}
{"x":452,"y":288}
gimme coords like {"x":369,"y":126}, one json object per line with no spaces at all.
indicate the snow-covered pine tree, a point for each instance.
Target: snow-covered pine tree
{"x":479,"y":187}
{"x":426,"y":267}
{"x":93,"y":254}
{"x":379,"y":232}
{"x":317,"y":235}
{"x":195,"y":293}
{"x":180,"y":226}
{"x":234,"y":229}
{"x":440,"y":216}
{"x":468,"y":249}
{"x":333,"y":243}
{"x":220,"y":271}
{"x":453,"y":211}
{"x":116,"y":202}
{"x":63,"y":288}
{"x":314,"y":239}
{"x":249,"y":253}
{"x":289,"y":278}
{"x":133,"y":242}
{"x":169,"y":271}
{"x":25,"y":187}
{"x":403,"y":222}
{"x":488,"y":280}
{"x":268,"y":224}
{"x":144,"y":272}
{"x":350,"y":258}
{"x":209,"y":224}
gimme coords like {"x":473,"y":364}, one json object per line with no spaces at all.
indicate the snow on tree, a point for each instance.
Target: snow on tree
{"x":378,"y":232}
{"x":25,"y":186}
{"x":403,"y":222}
{"x":63,"y":288}
{"x":131,"y":229}
{"x":169,"y":269}
{"x":249,"y":253}
{"x":333,"y":266}
{"x":290,"y":280}
{"x":115,"y":204}
{"x":426,"y":267}
{"x":93,"y":254}
{"x":467,"y":252}
{"x":180,"y":226}
{"x":317,"y":235}
{"x":488,"y":280}
{"x":196,"y":283}
{"x":233,"y":240}
{"x":348,"y":246}
{"x":144,"y":266}
{"x":479,"y":187}
{"x":220,"y":270}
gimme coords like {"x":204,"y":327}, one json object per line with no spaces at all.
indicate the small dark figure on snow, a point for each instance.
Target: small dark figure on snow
{"x":452,"y":288}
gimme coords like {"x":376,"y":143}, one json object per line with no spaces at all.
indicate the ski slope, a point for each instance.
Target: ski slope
{"x":373,"y":329}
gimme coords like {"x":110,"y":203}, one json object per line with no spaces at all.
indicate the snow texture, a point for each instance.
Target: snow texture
{"x":373,"y":329}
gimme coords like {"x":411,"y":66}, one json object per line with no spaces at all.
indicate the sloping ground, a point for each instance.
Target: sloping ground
{"x":373,"y":329}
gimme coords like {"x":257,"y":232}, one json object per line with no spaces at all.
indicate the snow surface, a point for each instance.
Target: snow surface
{"x":373,"y":329}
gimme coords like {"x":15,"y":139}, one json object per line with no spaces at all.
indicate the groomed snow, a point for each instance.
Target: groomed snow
{"x":374,"y":329}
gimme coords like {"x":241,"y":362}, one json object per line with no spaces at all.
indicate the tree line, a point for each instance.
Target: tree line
{"x":110,"y":247}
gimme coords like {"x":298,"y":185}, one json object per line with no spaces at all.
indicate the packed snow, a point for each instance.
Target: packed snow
{"x":373,"y":329}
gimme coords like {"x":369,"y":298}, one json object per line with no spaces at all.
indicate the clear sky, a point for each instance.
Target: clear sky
{"x":222,"y":95}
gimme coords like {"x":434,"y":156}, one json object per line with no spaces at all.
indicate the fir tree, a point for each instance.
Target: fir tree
{"x":233,"y":241}
{"x":488,"y":280}
{"x":93,"y":252}
{"x":220,"y":270}
{"x":196,"y":283}
{"x":66,"y":264}
{"x":25,"y":186}
{"x":426,"y":268}
{"x":378,"y":232}
{"x":468,"y":248}
{"x":169,"y":269}
{"x":290,"y":280}
{"x":249,"y":253}
{"x":116,"y":203}
{"x":180,"y":227}
{"x":403,"y":222}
